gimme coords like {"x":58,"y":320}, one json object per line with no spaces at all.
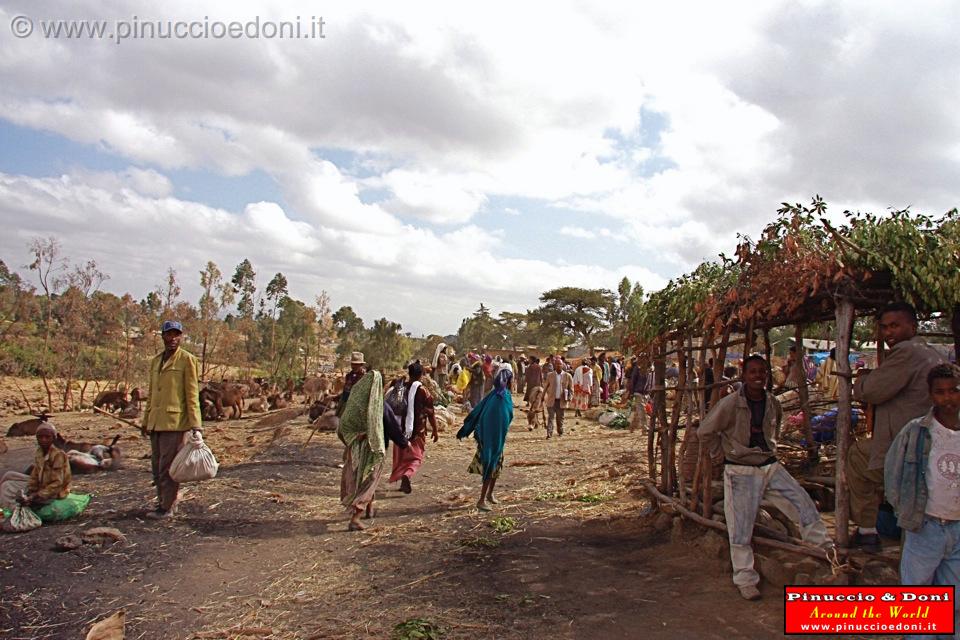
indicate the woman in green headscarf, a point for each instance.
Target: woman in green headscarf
{"x":361,"y":431}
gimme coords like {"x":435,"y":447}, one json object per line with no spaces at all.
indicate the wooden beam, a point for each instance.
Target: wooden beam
{"x":813,"y":552}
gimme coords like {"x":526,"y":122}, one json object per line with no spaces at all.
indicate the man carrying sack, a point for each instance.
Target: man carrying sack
{"x":173,"y":409}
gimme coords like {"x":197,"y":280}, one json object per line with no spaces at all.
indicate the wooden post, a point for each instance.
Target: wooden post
{"x":706,"y":464}
{"x":669,"y":457}
{"x":845,"y":315}
{"x":768,"y":352}
{"x":702,"y":396}
{"x":804,"y":394}
{"x":955,"y":327}
{"x":659,"y":398}
{"x":750,"y":338}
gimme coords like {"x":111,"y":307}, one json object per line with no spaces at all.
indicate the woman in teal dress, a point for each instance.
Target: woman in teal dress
{"x":489,"y":422}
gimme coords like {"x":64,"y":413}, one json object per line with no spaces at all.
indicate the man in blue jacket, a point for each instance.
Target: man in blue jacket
{"x":922,"y":482}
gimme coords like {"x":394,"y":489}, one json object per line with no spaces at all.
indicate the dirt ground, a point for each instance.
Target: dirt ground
{"x":263,"y":550}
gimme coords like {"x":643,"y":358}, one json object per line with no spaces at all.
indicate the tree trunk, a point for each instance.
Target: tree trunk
{"x":46,"y":385}
{"x":203,"y":358}
{"x":845,"y":316}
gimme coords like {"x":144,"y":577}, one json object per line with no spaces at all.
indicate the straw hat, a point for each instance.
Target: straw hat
{"x":356,"y":358}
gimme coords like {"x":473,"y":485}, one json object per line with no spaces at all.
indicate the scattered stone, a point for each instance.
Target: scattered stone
{"x":877,"y":572}
{"x":662,"y":522}
{"x":829,"y":579}
{"x":714,"y":545}
{"x":68,"y":543}
{"x":676,"y":530}
{"x":102,"y":535}
{"x":773,"y":571}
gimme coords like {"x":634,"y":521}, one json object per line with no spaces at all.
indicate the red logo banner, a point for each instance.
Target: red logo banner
{"x":869,"y":610}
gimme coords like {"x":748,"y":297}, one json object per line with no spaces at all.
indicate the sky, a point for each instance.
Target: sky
{"x":423,"y":157}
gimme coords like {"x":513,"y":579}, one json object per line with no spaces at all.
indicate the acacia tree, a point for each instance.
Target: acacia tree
{"x":516,"y":327}
{"x":580,"y":312}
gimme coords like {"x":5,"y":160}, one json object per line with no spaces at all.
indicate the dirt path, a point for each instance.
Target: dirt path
{"x":263,"y":550}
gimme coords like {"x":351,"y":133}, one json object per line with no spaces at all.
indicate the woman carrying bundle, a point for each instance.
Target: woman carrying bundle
{"x":364,"y":433}
{"x":489,"y":422}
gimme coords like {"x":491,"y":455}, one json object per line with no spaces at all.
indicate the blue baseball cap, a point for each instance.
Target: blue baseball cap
{"x":171,"y":325}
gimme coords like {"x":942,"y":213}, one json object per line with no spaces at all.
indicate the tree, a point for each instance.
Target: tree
{"x":15,"y":301}
{"x":386,"y":347}
{"x":245,"y":286}
{"x":296,"y":331}
{"x":276,"y":290}
{"x":171,"y":292}
{"x":49,"y":265}
{"x":82,"y":326}
{"x":480,"y":330}
{"x":580,"y":312}
{"x":515,"y":327}
{"x":629,"y":305}
{"x":350,"y":332}
{"x":217,"y":295}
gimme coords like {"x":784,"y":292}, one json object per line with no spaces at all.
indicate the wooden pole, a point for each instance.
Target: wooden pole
{"x":659,"y":398}
{"x":669,"y":442}
{"x":955,"y":326}
{"x":845,"y":316}
{"x":750,"y":337}
{"x":706,"y":463}
{"x":768,"y":353}
{"x":702,"y":395}
{"x":800,"y":372}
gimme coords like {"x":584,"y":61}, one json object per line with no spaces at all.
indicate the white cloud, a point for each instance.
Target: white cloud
{"x":425,"y":280}
{"x":442,"y":112}
{"x":578,"y":232}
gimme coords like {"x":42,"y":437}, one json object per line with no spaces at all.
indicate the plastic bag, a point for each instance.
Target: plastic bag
{"x":194,"y":462}
{"x":22,"y":519}
{"x":64,"y":508}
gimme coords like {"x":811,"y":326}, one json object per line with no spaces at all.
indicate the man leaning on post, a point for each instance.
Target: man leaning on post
{"x":746,"y":425}
{"x":173,"y":409}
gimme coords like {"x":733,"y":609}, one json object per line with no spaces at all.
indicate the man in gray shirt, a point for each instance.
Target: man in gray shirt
{"x":898,"y":391}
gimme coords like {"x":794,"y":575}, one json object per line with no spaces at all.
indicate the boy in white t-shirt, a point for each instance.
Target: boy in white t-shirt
{"x":922,"y":482}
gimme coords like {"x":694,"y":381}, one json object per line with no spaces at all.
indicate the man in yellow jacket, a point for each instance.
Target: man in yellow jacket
{"x":173,"y":408}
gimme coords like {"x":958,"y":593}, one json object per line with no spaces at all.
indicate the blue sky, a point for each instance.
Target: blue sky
{"x":419,"y":160}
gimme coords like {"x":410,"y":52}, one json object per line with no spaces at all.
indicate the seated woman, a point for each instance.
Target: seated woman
{"x":49,"y":478}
